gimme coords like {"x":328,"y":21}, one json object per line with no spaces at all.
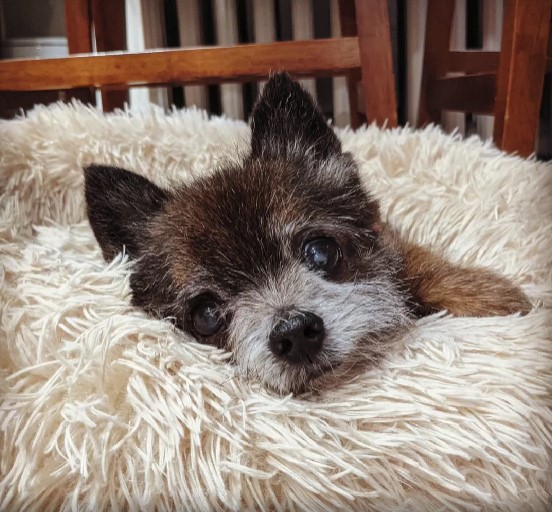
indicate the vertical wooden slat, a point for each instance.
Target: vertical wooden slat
{"x":376,"y":57}
{"x":78,"y":26}
{"x":521,"y":74}
{"x":436,"y":51}
{"x":264,"y":24}
{"x":503,"y":70}
{"x":341,"y":110}
{"x":492,"y":32}
{"x":227,"y":34}
{"x":457,"y":120}
{"x":544,"y":145}
{"x":303,"y":28}
{"x":78,"y":23}
{"x":189,"y":27}
{"x":415,"y":30}
{"x":348,"y":25}
{"x":110,"y":35}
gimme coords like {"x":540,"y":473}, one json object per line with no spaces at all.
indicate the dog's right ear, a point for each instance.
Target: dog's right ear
{"x":119,"y":204}
{"x":286,"y":120}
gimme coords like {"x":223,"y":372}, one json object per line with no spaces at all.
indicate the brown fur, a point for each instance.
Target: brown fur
{"x":436,"y":284}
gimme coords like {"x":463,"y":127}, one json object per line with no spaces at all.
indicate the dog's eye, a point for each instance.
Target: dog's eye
{"x":322,"y":254}
{"x":206,"y":318}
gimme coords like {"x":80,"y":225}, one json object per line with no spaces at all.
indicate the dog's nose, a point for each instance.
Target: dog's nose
{"x":298,"y":338}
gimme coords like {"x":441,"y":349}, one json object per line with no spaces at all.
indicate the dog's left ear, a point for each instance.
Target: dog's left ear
{"x":286,"y":122}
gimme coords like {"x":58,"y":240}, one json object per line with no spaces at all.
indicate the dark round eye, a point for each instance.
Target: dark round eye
{"x":322,"y":254}
{"x":206,"y":318}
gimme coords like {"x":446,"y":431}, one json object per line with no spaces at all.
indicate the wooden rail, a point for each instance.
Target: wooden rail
{"x":321,"y":57}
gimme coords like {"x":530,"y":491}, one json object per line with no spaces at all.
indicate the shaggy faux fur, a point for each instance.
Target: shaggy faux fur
{"x":102,"y":407}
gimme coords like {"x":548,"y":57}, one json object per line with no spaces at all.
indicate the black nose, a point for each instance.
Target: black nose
{"x":298,"y":338}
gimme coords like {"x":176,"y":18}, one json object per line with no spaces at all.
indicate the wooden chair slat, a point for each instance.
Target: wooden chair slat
{"x":468,"y":93}
{"x":110,"y":32}
{"x":78,"y":23}
{"x":472,"y":61}
{"x":321,"y":57}
{"x":374,"y":36}
{"x":507,"y":84}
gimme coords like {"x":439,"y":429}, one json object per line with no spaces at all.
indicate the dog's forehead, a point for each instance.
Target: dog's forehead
{"x":234,"y":227}
{"x":227,"y":225}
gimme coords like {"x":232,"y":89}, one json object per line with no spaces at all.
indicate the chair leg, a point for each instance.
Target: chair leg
{"x":376,"y":58}
{"x":110,"y":31}
{"x":521,"y":74}
{"x":436,"y":51}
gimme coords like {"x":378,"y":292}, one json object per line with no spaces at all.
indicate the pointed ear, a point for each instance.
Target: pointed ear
{"x":286,"y":120}
{"x":119,"y":205}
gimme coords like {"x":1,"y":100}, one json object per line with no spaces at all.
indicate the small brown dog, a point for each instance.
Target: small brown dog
{"x":282,"y":259}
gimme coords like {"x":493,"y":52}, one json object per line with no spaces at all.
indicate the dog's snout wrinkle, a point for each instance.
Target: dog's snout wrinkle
{"x":297,"y":337}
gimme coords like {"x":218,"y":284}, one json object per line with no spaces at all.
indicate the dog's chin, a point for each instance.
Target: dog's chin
{"x":323,"y":378}
{"x":329,"y":373}
{"x":298,"y":380}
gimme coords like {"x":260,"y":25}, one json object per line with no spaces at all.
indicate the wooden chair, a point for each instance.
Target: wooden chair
{"x":364,"y":52}
{"x":106,"y":18}
{"x":507,"y":84}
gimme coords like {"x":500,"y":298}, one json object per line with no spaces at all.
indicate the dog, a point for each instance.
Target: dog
{"x":282,"y":258}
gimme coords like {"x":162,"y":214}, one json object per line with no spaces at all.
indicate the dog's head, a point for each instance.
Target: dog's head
{"x":277,"y":259}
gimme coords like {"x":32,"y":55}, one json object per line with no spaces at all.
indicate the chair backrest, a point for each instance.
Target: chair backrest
{"x":367,"y":55}
{"x":507,"y":84}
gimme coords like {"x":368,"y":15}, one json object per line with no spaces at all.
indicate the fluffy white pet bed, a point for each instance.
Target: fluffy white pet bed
{"x":102,"y":407}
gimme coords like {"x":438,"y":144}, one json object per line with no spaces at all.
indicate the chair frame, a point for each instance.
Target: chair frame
{"x":507,"y":84}
{"x":364,"y":51}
